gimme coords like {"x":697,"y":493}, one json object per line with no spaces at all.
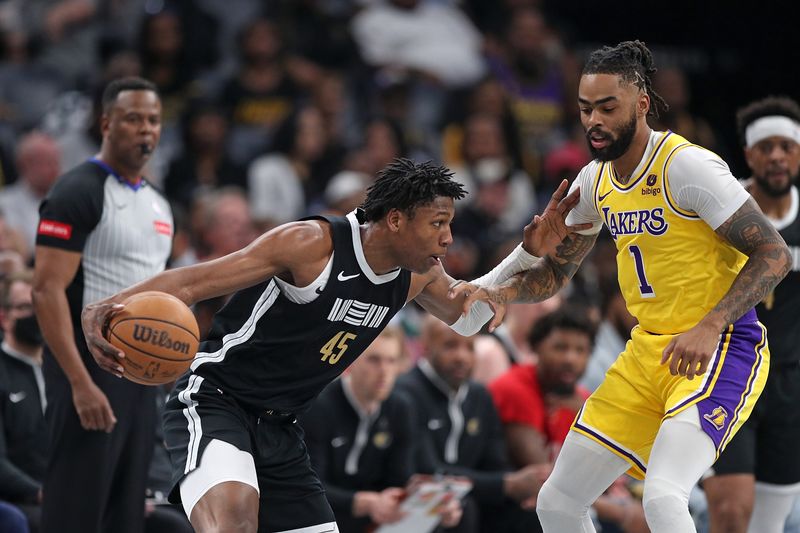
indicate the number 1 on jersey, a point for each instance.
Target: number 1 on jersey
{"x":337,"y":342}
{"x":645,"y":288}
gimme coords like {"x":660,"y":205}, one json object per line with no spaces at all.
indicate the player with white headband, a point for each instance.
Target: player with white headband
{"x":757,"y":477}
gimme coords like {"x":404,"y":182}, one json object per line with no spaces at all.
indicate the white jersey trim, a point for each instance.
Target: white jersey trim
{"x":327,"y":527}
{"x":309,"y":293}
{"x":377,"y":279}
{"x":244,"y":333}
{"x":194,"y":427}
{"x":699,"y":181}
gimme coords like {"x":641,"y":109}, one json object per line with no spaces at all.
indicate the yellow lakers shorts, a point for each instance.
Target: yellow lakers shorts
{"x":625,"y":413}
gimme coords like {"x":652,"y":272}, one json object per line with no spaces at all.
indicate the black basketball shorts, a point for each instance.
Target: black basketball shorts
{"x":766,"y":445}
{"x":291,"y":494}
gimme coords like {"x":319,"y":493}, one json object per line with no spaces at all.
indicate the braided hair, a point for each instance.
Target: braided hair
{"x":771,"y":105}
{"x":633,"y":62}
{"x":406,"y":185}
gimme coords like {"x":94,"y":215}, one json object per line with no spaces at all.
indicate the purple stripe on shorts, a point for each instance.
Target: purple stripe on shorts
{"x":610,"y":444}
{"x":749,"y":318}
{"x":721,"y":409}
{"x":710,"y":373}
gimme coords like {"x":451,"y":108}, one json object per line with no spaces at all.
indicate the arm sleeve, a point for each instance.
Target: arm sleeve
{"x":586,"y":210}
{"x":701,"y":182}
{"x":71,"y":211}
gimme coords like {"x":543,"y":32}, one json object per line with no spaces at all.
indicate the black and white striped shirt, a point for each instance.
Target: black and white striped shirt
{"x":123,"y":232}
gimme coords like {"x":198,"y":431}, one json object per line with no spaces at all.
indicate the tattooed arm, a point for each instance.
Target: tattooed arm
{"x":538,"y":283}
{"x":768,"y":262}
{"x":549,"y":275}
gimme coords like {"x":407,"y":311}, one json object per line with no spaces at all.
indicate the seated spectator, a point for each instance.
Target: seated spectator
{"x":261,"y":93}
{"x":23,"y":431}
{"x":508,"y":345}
{"x":346,"y":191}
{"x":359,"y":438}
{"x":419,"y":51}
{"x":282,"y":181}
{"x":38,"y":165}
{"x":227,"y":224}
{"x":538,"y":402}
{"x":459,"y":433}
{"x":204,"y":163}
{"x":502,"y":197}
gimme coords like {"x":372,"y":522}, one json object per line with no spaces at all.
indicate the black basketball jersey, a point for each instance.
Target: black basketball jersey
{"x":270,"y":351}
{"x":780,"y":308}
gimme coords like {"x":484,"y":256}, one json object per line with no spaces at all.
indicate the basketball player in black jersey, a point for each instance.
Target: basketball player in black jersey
{"x":757,"y":478}
{"x":312,"y":296}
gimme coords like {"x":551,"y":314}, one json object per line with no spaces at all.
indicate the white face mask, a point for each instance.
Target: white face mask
{"x":490,"y":170}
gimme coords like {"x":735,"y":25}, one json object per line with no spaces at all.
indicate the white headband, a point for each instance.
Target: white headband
{"x":773,"y":125}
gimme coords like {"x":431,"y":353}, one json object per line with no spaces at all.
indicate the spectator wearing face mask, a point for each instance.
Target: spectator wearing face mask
{"x":502,"y":198}
{"x":23,"y":432}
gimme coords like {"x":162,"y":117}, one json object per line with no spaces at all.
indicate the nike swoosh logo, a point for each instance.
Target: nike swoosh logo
{"x":603,"y":197}
{"x":434,"y":424}
{"x":342,"y":277}
{"x":338,"y":442}
{"x":319,"y":290}
{"x":17,"y":397}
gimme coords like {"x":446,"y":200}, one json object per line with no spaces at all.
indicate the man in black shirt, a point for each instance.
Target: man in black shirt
{"x":312,"y":295}
{"x":23,"y":432}
{"x":359,"y":437}
{"x":459,"y":431}
{"x":757,"y":477}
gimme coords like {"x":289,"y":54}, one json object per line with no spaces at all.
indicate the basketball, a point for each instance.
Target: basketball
{"x":158,"y":334}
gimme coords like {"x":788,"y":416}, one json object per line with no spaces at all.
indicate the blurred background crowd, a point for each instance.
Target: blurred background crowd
{"x":278,"y":109}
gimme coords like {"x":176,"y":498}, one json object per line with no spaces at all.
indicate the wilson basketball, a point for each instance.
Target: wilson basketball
{"x":158,"y":334}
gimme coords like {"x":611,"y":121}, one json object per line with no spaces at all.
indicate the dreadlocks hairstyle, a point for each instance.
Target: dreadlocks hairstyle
{"x":633,"y":62}
{"x":406,"y":185}
{"x":771,"y":105}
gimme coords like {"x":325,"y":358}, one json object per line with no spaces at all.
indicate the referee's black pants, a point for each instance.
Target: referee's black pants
{"x":95,"y":481}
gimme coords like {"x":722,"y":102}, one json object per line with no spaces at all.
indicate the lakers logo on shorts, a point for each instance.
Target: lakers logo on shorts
{"x":717,"y":417}
{"x":473,"y":426}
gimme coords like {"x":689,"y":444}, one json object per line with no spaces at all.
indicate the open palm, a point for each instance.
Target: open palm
{"x":546,"y":231}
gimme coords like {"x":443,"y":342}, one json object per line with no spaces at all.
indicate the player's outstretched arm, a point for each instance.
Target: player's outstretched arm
{"x":447,"y":299}
{"x":768,"y":262}
{"x":300,"y":249}
{"x":544,"y":279}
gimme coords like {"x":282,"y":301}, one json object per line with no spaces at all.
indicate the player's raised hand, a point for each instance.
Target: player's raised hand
{"x":546,"y":231}
{"x":94,"y":319}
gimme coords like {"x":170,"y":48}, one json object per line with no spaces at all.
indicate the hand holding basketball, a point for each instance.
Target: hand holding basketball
{"x":150,"y":339}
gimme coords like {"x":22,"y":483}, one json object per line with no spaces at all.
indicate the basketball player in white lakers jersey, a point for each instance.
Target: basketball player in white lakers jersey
{"x":694,"y":255}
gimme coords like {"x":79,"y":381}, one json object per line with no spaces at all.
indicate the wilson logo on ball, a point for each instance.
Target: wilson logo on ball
{"x":159,"y":338}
